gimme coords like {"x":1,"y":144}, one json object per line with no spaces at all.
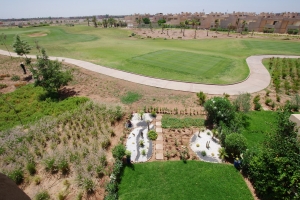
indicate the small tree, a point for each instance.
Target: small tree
{"x":21,"y":47}
{"x":235,"y":144}
{"x":49,"y":74}
{"x":219,"y":109}
{"x":243,"y":102}
{"x":202,"y":97}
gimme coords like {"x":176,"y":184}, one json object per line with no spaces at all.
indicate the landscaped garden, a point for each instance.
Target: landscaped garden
{"x":71,"y":151}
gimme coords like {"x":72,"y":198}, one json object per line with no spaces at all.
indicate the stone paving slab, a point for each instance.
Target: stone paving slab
{"x":158,"y":117}
{"x":159,"y":156}
{"x":259,"y":77}
{"x":158,"y":123}
{"x":159,"y":130}
{"x":159,"y":146}
{"x":160,"y":142}
{"x":159,"y":138}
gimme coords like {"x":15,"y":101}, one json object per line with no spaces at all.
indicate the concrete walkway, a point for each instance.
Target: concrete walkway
{"x":259,"y":77}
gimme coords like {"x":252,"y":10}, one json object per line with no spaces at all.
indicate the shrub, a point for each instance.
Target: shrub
{"x":105,"y":143}
{"x":268,"y":101}
{"x":50,"y":164}
{"x":2,"y":86}
{"x":225,"y":95}
{"x":37,"y":180}
{"x":235,"y":144}
{"x":295,"y":102}
{"x":219,"y":109}
{"x":142,"y":143}
{"x":31,"y":168}
{"x":117,"y":167}
{"x":197,"y":145}
{"x":61,"y":196}
{"x":143,"y":152}
{"x":242,"y":102}
{"x":256,"y":99}
{"x":257,"y":106}
{"x":16,"y":175}
{"x":87,"y":184}
{"x":119,"y":151}
{"x":43,"y":195}
{"x":63,"y":165}
{"x":152,"y":135}
{"x":15,"y":78}
{"x":128,"y":153}
{"x":153,"y":114}
{"x":201,"y":98}
{"x":79,"y":196}
{"x":278,"y":98}
{"x":203,"y":153}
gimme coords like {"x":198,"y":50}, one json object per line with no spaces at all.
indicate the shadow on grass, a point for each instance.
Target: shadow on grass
{"x":58,"y":96}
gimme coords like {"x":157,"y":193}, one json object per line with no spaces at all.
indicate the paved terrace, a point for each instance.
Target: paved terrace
{"x":259,"y":77}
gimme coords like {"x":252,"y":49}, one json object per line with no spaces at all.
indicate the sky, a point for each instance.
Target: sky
{"x":67,"y":8}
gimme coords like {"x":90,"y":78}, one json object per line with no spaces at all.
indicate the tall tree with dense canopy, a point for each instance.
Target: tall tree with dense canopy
{"x":49,"y":74}
{"x":146,"y":20}
{"x":274,"y":169}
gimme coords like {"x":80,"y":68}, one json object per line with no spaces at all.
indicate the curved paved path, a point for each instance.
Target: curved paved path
{"x":259,"y":77}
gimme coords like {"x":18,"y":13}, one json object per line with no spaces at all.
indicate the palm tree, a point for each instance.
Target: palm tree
{"x":139,"y":21}
{"x":105,"y":23}
{"x":88,"y":20}
{"x":94,"y":20}
{"x":111,"y":21}
{"x":237,"y":24}
{"x":150,"y":26}
{"x":181,"y":26}
{"x":195,"y":22}
{"x":217,"y":23}
{"x":186,"y":22}
{"x":229,"y":26}
{"x":243,"y":25}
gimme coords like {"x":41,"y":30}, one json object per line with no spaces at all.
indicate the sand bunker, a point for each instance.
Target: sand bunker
{"x":38,"y":35}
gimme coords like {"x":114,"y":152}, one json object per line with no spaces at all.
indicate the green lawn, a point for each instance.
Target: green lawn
{"x":27,"y":103}
{"x":176,"y":180}
{"x":173,"y":121}
{"x":260,"y":123}
{"x":216,"y":61}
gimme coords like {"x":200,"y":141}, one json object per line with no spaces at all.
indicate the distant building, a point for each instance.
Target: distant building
{"x":278,"y":22}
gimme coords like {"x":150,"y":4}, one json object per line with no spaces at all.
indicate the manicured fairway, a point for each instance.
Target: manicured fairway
{"x":214,"y":61}
{"x":184,"y":66}
{"x":176,"y":180}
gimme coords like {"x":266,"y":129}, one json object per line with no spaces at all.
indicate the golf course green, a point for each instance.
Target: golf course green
{"x":211,"y":61}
